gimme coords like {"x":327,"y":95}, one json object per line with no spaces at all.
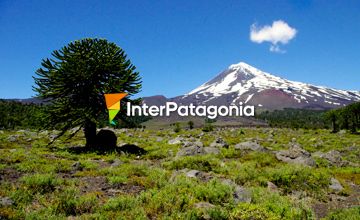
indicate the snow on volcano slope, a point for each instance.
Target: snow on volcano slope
{"x":242,"y":83}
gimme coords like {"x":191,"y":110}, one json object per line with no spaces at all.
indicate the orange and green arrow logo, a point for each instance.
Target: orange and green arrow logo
{"x":113,"y":104}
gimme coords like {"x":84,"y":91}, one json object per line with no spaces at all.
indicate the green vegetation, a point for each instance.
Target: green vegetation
{"x":347,"y":118}
{"x":177,"y":127}
{"x":191,"y":124}
{"x":40,"y":183}
{"x":75,"y":80}
{"x":176,"y":173}
{"x":294,"y":118}
{"x":349,"y":214}
{"x":208,"y":125}
{"x":14,"y":115}
{"x":60,"y":183}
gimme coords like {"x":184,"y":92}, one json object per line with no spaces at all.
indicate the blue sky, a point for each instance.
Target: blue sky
{"x":178,"y":45}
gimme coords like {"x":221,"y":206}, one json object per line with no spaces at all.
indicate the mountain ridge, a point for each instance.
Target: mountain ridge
{"x":242,"y":83}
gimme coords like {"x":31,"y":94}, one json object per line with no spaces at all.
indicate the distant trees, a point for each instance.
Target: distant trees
{"x":295,"y":118}
{"x":332,"y":117}
{"x":347,"y":118}
{"x":177,"y":127}
{"x":17,"y":115}
{"x":191,"y":124}
{"x":208,"y":125}
{"x":75,"y":80}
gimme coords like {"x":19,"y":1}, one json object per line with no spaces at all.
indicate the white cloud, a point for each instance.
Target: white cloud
{"x":278,"y":33}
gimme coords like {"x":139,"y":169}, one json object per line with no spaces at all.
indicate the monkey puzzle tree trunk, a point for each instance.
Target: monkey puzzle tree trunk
{"x":90,"y":134}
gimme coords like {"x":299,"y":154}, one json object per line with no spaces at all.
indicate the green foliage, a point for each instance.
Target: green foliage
{"x":214,"y":192}
{"x":291,"y":178}
{"x":261,"y":159}
{"x":349,"y":214}
{"x":76,"y":78}
{"x":121,"y":203}
{"x":176,"y":199}
{"x":41,"y":183}
{"x":15,"y":115}
{"x":250,"y":174}
{"x":69,"y":203}
{"x":294,"y":118}
{"x":191,"y":124}
{"x":177,"y":127}
{"x":245,"y":211}
{"x":282,"y":207}
{"x":22,"y":196}
{"x":332,"y":116}
{"x":347,"y":118}
{"x":117,"y":179}
{"x":208,"y":126}
{"x":208,"y":213}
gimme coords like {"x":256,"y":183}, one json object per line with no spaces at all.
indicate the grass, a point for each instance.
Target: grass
{"x":349,"y":214}
{"x":40,"y":183}
{"x":43,"y":183}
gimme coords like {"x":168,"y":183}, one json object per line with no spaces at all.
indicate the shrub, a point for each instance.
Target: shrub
{"x":246,"y":211}
{"x":214,"y":192}
{"x":261,"y":159}
{"x":41,"y":183}
{"x":349,"y":214}
{"x":66,"y":202}
{"x":208,"y":127}
{"x":22,"y":196}
{"x":280,"y":206}
{"x":191,"y":124}
{"x":249,"y":174}
{"x":121,"y":203}
{"x":208,"y":213}
{"x":69,"y":203}
{"x":117,"y":179}
{"x":291,"y":178}
{"x":177,"y":127}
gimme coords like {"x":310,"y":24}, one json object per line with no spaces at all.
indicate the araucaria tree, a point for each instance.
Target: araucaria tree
{"x":75,"y":80}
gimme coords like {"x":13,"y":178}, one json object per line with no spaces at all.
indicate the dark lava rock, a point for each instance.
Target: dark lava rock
{"x":106,"y":139}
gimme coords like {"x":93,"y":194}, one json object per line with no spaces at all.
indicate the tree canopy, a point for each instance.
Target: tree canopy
{"x":347,"y":117}
{"x":75,"y":79}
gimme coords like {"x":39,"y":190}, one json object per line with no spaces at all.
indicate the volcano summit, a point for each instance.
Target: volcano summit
{"x":242,"y":83}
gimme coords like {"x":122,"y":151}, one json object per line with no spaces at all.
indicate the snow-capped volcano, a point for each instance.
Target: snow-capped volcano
{"x":242,"y":83}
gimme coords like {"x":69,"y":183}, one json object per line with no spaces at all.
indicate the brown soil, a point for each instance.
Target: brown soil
{"x":9,"y":175}
{"x":99,"y":184}
{"x":335,"y":202}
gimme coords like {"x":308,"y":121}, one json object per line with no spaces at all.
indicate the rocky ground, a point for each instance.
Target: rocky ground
{"x":248,"y":173}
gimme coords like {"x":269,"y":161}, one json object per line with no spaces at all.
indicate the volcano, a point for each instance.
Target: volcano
{"x":244,"y":84}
